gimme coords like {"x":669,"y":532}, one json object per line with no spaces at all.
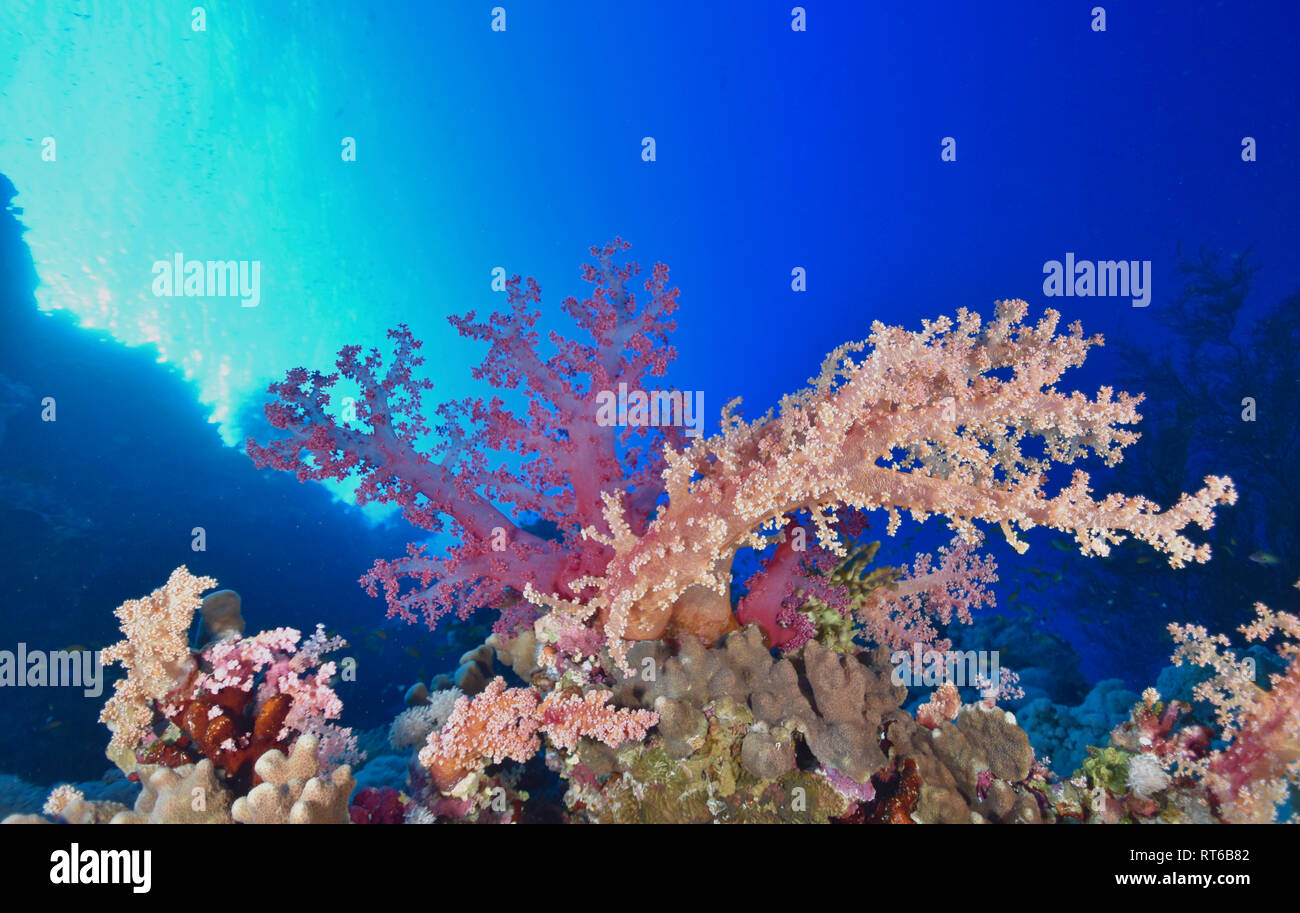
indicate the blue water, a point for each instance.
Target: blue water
{"x":478,"y":149}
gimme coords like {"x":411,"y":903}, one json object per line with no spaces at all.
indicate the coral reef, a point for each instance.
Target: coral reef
{"x":293,"y":789}
{"x":737,"y":729}
{"x":1158,"y":766}
{"x":1063,"y":733}
{"x":1249,"y":777}
{"x":654,"y":687}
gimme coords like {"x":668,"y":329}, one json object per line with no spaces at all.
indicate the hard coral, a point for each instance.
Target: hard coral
{"x":191,"y":794}
{"x":294,"y":790}
{"x":974,"y":770}
{"x":850,"y":695}
{"x":734,"y":724}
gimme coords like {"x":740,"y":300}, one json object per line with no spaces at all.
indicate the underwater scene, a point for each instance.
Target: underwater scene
{"x":649,"y":412}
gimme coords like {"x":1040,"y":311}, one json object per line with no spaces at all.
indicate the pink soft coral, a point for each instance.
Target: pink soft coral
{"x":503,"y":723}
{"x":797,"y":571}
{"x":904,"y":613}
{"x":567,"y":458}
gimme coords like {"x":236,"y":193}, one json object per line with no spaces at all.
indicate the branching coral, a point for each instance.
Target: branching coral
{"x":905,"y":612}
{"x":930,"y":422}
{"x":961,"y":419}
{"x":567,"y":456}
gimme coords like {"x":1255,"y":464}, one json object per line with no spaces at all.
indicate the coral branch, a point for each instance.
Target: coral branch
{"x":961,"y":419}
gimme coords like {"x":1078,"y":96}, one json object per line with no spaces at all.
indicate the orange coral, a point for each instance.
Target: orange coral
{"x":499,"y":723}
{"x":567,"y":717}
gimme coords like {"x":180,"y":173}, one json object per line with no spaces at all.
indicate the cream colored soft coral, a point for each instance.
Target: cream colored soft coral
{"x":156,"y":655}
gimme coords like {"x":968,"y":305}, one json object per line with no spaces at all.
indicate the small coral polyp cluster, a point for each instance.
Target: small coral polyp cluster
{"x":651,"y":683}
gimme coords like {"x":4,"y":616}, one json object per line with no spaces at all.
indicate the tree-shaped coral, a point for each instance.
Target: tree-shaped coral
{"x":961,"y":419}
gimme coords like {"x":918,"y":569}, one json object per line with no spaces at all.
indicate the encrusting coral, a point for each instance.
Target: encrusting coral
{"x":840,"y":718}
{"x":738,"y":729}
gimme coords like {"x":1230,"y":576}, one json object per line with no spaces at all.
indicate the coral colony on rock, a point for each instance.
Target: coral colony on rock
{"x":653,"y":690}
{"x":957,"y":575}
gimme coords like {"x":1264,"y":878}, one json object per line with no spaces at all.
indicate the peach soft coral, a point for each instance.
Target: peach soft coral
{"x":930,"y":422}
